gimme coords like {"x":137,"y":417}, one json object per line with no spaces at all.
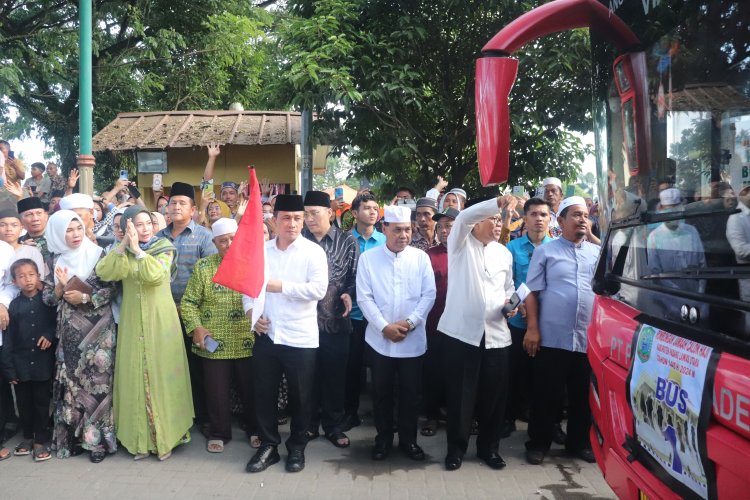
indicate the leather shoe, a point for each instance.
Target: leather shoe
{"x":534,"y":457}
{"x":97,"y":456}
{"x":295,"y":462}
{"x":266,"y":456}
{"x":585,"y":454}
{"x":493,"y":459}
{"x":453,"y":462}
{"x":413,"y":451}
{"x":380,"y":451}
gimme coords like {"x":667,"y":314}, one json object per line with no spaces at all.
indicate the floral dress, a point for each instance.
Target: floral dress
{"x":82,"y":389}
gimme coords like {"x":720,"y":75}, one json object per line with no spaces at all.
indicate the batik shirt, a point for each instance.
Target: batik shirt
{"x":342,"y":252}
{"x":217,"y":309}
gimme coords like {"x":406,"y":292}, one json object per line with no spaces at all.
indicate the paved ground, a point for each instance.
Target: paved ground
{"x":191,"y":472}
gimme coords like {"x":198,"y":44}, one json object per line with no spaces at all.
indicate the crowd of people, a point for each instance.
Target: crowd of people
{"x":468,"y":311}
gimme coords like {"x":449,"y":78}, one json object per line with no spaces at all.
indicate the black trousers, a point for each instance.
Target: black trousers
{"x":217,"y":376}
{"x":355,"y":366}
{"x":386,"y":372}
{"x":330,"y":382}
{"x":195,"y":366}
{"x":476,"y":380}
{"x":520,"y":376}
{"x":433,"y":378}
{"x":33,"y":399}
{"x":270,"y":361}
{"x":554,"y":371}
{"x":7,"y":412}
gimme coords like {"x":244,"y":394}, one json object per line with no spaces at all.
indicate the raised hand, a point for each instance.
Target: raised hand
{"x":73,"y":178}
{"x":265,"y":187}
{"x":132,"y":237}
{"x":241,"y":209}
{"x":441,"y":183}
{"x":213,"y":150}
{"x":242,"y":191}
{"x":15,"y":189}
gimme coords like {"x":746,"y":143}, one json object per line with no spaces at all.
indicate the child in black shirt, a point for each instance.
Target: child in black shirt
{"x":28,"y":358}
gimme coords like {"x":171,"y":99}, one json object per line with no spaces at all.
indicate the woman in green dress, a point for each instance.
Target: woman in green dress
{"x":152,"y":399}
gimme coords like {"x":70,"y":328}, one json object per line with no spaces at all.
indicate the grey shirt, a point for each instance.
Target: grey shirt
{"x":561,"y":272}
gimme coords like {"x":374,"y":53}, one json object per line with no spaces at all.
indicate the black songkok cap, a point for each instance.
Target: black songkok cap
{"x":182,"y":189}
{"x":474,"y":201}
{"x":315,"y":199}
{"x":4,"y":214}
{"x":289,"y":203}
{"x":29,"y":203}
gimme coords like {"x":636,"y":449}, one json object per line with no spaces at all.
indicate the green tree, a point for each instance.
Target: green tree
{"x":148,"y":55}
{"x":395,"y":80}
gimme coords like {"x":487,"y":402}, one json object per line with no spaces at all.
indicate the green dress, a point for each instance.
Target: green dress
{"x":153,"y":404}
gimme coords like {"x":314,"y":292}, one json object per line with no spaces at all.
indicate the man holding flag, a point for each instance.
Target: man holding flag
{"x":284,"y":315}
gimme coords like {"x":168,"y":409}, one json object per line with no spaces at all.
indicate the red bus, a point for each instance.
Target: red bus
{"x":669,"y":339}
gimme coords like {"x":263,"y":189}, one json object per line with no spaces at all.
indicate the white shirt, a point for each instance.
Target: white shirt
{"x":480,"y":279}
{"x":303,"y":271}
{"x":738,"y":235}
{"x":8,"y":290}
{"x":393,"y":287}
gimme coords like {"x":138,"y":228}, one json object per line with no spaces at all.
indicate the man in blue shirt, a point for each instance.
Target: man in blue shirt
{"x":558,"y":312}
{"x":365,"y":210}
{"x":536,"y":220}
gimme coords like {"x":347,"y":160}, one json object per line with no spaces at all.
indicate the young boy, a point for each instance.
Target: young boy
{"x":28,"y":358}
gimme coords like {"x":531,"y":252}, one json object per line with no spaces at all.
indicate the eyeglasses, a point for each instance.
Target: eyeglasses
{"x":496,"y":219}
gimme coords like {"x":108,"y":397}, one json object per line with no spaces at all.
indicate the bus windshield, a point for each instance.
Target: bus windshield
{"x":680,"y":214}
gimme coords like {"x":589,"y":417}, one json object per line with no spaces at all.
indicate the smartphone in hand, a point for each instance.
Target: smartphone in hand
{"x":123,"y":175}
{"x":515,"y":301}
{"x":210,"y":344}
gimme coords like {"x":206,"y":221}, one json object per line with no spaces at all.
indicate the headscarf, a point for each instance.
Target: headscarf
{"x":458,"y":198}
{"x":130,"y":214}
{"x":118,"y":211}
{"x":162,"y":222}
{"x":223,"y":207}
{"x":79,"y":261}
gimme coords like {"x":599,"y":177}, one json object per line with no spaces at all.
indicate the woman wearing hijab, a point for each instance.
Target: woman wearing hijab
{"x":82,"y":390}
{"x":152,"y":399}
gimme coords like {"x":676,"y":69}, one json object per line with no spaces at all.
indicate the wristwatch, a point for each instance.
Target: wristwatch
{"x":411,"y":324}
{"x":85,"y":298}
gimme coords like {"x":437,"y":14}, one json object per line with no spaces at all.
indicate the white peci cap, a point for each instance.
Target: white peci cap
{"x":76,"y":200}
{"x":397,"y":214}
{"x":570,"y":201}
{"x":223,"y":226}
{"x":670,"y":197}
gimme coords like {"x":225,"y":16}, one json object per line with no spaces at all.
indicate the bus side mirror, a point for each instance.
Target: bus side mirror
{"x":495,"y":77}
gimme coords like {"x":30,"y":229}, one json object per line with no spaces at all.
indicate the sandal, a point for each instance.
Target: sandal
{"x":5,"y":454}
{"x":429,"y":428}
{"x":214,"y":446}
{"x":255,"y":441}
{"x":23,"y":449}
{"x":165,"y":456}
{"x":140,"y":456}
{"x":335,"y":437}
{"x":42,"y":453}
